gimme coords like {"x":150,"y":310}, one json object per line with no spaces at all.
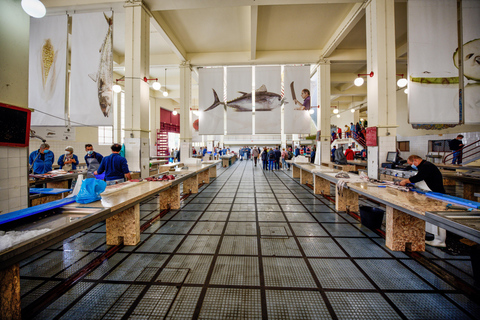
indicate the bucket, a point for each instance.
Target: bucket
{"x":371,"y":217}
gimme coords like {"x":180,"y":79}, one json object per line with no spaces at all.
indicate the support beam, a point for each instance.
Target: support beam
{"x":167,"y":34}
{"x":253,"y":32}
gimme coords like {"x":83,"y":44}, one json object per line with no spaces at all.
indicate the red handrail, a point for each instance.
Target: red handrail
{"x":467,"y":151}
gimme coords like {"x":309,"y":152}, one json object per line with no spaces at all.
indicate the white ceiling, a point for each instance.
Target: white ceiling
{"x":252,"y":32}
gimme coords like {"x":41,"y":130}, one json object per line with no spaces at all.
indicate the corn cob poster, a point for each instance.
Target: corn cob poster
{"x":433,"y":96}
{"x":239,"y":100}
{"x":47,"y":70}
{"x":91,"y":96}
{"x":297,"y":100}
{"x":211,"y":101}
{"x":268,"y":100}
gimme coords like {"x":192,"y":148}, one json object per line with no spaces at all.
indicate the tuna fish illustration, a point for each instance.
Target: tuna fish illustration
{"x":264,"y":101}
{"x":104,"y":76}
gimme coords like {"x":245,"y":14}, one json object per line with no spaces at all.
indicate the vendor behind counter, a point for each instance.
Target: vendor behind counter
{"x":427,"y":172}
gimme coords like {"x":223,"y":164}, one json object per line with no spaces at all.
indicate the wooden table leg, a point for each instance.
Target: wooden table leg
{"x":170,"y":197}
{"x":124,"y":227}
{"x":296,"y":172}
{"x":212,"y":172}
{"x":306,"y":177}
{"x":204,"y":177}
{"x":58,"y":184}
{"x":469,"y":191}
{"x":321,"y":186}
{"x":191,"y":185}
{"x":10,"y":307}
{"x":404,"y":229}
{"x":348,"y":199}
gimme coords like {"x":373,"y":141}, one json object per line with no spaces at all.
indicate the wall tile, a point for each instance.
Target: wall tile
{"x":14,"y":152}
{"x":14,"y":172}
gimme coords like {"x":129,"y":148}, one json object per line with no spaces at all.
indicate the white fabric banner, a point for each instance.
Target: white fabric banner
{"x":268,"y":100}
{"x":239,"y":100}
{"x":92,"y":69}
{"x":433,"y":74}
{"x":297,"y":118}
{"x":211,"y":101}
{"x":47,"y":70}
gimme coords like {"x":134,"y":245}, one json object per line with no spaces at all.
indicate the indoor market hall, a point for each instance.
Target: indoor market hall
{"x":251,"y":244}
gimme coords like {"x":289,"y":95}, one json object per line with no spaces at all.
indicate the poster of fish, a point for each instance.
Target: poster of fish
{"x":91,"y":96}
{"x":433,"y":96}
{"x":297,"y":104}
{"x":211,"y":102}
{"x":268,"y":100}
{"x":47,"y":70}
{"x":239,"y":100}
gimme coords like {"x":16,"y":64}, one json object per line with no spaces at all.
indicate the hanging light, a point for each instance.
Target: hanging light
{"x":352,"y":110}
{"x":361,"y":119}
{"x":402,"y":82}
{"x":338,"y":116}
{"x":174,"y":112}
{"x":359,"y":81}
{"x":156,"y":85}
{"x":335,"y":110}
{"x":34,"y":8}
{"x":116,"y":88}
{"x":406,"y":91}
{"x":311,"y":111}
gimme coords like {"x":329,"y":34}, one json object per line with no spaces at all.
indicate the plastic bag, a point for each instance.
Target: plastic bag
{"x":90,"y":190}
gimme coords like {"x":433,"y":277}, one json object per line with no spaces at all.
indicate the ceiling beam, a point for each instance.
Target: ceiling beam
{"x":353,"y":16}
{"x":159,"y":5}
{"x":253,"y":32}
{"x":166,"y":33}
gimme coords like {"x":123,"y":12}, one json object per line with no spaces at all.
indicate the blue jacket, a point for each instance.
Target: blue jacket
{"x":297,"y":152}
{"x":97,"y":156}
{"x":44,"y":162}
{"x":271,"y":155}
{"x":278,"y":155}
{"x":204,"y":151}
{"x":115,"y":167}
{"x":61,"y":163}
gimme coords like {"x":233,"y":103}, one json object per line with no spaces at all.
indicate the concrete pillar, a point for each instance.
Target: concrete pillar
{"x":137,"y":91}
{"x":185,"y":114}
{"x":381,"y":90}
{"x":323,"y":112}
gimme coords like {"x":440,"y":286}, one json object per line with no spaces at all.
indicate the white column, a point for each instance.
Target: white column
{"x":323,"y":112}
{"x":381,"y":93}
{"x":185,"y":114}
{"x":137,"y":64}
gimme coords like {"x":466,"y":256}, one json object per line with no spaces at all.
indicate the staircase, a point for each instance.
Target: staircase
{"x":471,"y":152}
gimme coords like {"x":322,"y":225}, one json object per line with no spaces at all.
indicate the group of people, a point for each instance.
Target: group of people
{"x":340,"y":157}
{"x":174,"y":155}
{"x":272,"y":157}
{"x":351,"y":131}
{"x":114,"y":166}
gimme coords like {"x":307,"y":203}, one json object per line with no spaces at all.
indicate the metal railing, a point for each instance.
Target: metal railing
{"x":468,"y":153}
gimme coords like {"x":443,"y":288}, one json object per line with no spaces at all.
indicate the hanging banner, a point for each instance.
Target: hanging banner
{"x":433,"y":96}
{"x":211,"y":102}
{"x":239,"y":100}
{"x":91,"y":96}
{"x":47,"y":70}
{"x":268,"y":100}
{"x":297,"y":103}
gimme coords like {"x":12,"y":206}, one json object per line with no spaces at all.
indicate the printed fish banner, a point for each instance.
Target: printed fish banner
{"x":47,"y":70}
{"x":91,"y":99}
{"x":297,"y":116}
{"x":211,"y":102}
{"x":433,"y":96}
{"x":268,"y":100}
{"x":239,"y":100}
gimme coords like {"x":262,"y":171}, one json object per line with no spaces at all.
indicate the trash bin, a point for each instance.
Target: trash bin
{"x":371,"y":217}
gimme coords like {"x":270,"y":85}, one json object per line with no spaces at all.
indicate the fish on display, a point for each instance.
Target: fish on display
{"x":104,"y":76}
{"x":264,"y":101}
{"x":48,"y":67}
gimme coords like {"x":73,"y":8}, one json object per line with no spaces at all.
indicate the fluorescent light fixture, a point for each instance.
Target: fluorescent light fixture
{"x":34,"y":8}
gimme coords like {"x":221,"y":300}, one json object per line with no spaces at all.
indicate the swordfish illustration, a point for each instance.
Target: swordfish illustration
{"x":264,"y":101}
{"x":104,"y":75}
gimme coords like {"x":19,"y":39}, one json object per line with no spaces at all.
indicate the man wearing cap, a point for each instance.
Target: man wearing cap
{"x":68,"y":161}
{"x":41,"y":160}
{"x":115,"y":167}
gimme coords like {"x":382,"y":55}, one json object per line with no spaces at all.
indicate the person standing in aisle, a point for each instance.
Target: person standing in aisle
{"x":349,"y":153}
{"x":68,"y":161}
{"x":339,"y":133}
{"x":312,"y":154}
{"x":297,"y":151}
{"x":264,"y":156}
{"x":333,"y":153}
{"x":92,"y":159}
{"x":115,"y":167}
{"x":456,"y":145}
{"x":284,"y":159}
{"x":278,"y":155}
{"x":271,"y":159}
{"x":255,"y":155}
{"x":42,"y":159}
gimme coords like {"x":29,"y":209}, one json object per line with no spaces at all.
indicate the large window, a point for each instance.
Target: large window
{"x":105,"y":135}
{"x":438,"y":146}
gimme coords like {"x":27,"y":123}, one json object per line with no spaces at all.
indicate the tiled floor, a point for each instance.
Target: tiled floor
{"x":250,"y":245}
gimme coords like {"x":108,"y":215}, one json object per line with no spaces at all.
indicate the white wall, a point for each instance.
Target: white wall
{"x":345,"y":118}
